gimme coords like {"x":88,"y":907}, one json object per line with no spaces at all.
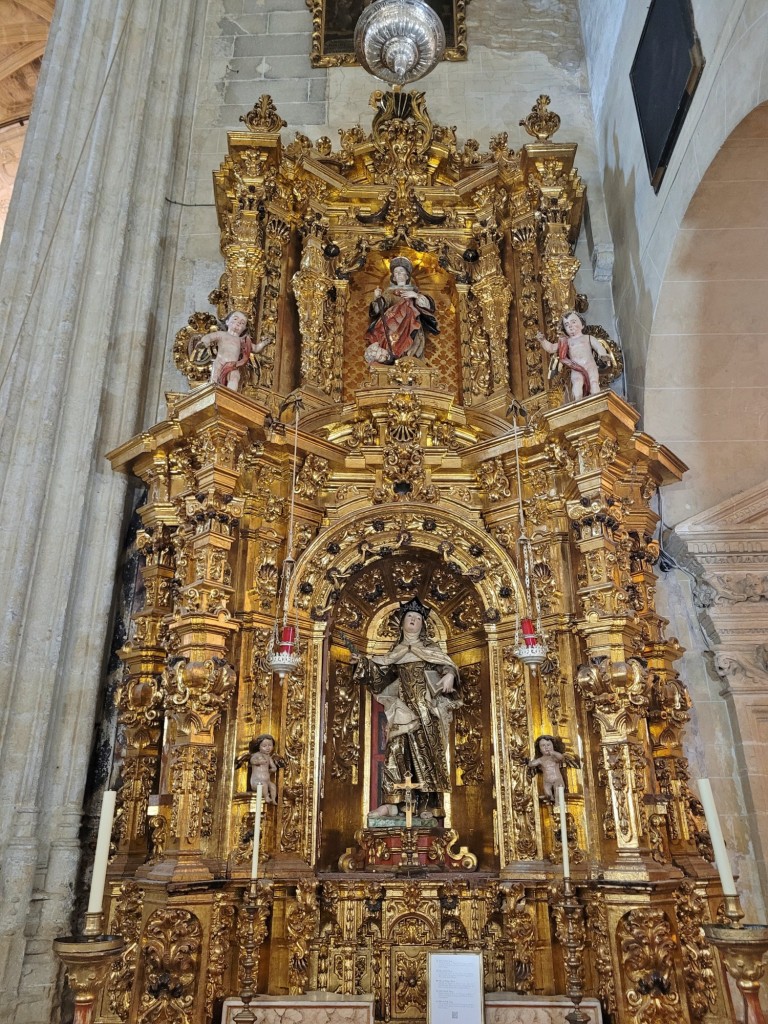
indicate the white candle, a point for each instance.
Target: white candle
{"x":100,"y":861}
{"x":256,"y":834}
{"x":722,"y":861}
{"x":564,"y":832}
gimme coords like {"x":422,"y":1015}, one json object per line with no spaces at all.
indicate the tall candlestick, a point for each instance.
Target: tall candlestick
{"x":256,"y":834}
{"x":722,"y":861}
{"x":564,"y":832}
{"x":100,"y":861}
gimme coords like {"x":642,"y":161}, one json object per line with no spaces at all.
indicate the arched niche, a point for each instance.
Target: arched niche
{"x":443,"y":352}
{"x":346,"y":585}
{"x":354,"y":727}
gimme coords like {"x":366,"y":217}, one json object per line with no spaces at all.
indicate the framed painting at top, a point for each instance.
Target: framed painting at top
{"x":333,"y":29}
{"x":665,"y":72}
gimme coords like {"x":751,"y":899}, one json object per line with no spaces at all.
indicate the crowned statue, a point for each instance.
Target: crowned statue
{"x":416,"y":682}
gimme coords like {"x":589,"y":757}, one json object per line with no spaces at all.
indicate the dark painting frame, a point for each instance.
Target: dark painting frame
{"x":333,"y":29}
{"x":664,"y":76}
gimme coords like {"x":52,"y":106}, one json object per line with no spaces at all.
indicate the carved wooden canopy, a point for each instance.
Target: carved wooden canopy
{"x":308,"y":230}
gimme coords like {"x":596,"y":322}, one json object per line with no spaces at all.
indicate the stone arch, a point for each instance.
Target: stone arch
{"x":706,"y":393}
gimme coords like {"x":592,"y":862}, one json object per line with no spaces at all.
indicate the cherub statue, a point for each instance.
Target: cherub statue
{"x":233,"y":350}
{"x":263,"y":764}
{"x":551,"y":755}
{"x":577,"y":351}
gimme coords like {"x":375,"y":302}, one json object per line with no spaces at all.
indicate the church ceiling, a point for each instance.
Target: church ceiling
{"x":24,"y":27}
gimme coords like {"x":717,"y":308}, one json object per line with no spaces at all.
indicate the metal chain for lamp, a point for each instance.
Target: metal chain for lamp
{"x":533,"y":649}
{"x":283,"y":654}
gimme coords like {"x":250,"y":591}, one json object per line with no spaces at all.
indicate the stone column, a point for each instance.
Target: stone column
{"x":727,"y":551}
{"x":78,"y":280}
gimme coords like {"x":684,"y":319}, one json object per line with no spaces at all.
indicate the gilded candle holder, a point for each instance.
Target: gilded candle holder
{"x":87,"y":959}
{"x":742,"y":948}
{"x":573,"y":945}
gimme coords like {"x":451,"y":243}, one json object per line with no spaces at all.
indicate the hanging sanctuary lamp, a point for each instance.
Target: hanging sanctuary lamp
{"x":399,"y":41}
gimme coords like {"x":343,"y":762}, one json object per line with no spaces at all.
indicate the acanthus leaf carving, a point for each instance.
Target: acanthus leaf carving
{"x":171,"y":948}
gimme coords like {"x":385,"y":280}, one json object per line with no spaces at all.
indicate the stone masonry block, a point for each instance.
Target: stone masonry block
{"x":284,"y":5}
{"x":289,"y":21}
{"x":297,"y":66}
{"x":318,"y":89}
{"x":294,"y":90}
{"x":299,"y":114}
{"x":274,"y":46}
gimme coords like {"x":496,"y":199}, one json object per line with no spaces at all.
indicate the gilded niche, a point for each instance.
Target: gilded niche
{"x":406,"y":207}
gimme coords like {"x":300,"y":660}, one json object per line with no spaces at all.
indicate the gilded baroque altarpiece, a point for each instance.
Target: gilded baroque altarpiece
{"x":406,"y":487}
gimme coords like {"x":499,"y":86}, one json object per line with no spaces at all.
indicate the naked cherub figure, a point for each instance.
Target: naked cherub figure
{"x":263,"y":765}
{"x":549,"y":763}
{"x":234,"y":348}
{"x":577,"y":351}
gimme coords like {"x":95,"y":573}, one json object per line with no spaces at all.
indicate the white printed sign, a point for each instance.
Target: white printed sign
{"x":455,"y":988}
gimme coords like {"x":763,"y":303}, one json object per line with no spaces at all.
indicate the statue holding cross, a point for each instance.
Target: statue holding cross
{"x":416,"y":682}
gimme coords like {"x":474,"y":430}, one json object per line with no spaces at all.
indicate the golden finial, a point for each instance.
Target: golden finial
{"x":263,"y":117}
{"x":541,"y":123}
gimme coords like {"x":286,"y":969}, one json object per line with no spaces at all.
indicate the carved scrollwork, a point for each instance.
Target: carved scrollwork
{"x":263,"y":117}
{"x":313,"y":476}
{"x":410,"y":982}
{"x":222,"y":923}
{"x":294,"y":787}
{"x":470,"y":767}
{"x":493,"y":480}
{"x":541,"y":123}
{"x":193,"y":771}
{"x":647,"y":945}
{"x":698,"y":963}
{"x":617,"y":692}
{"x":192,"y":358}
{"x":345,"y":730}
{"x":598,"y":937}
{"x":198,"y":690}
{"x":127,"y":923}
{"x":170,"y":947}
{"x":301,"y":925}
{"x":522,"y":826}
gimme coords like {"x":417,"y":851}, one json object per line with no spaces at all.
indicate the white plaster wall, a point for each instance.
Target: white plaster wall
{"x":601,"y":22}
{"x":713,"y":743}
{"x":734,"y":39}
{"x":645,"y":228}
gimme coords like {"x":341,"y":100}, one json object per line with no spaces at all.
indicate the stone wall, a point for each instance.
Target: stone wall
{"x":79,"y":275}
{"x":734,"y":39}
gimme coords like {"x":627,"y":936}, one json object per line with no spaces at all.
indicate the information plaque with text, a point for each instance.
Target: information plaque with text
{"x":455,"y":988}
